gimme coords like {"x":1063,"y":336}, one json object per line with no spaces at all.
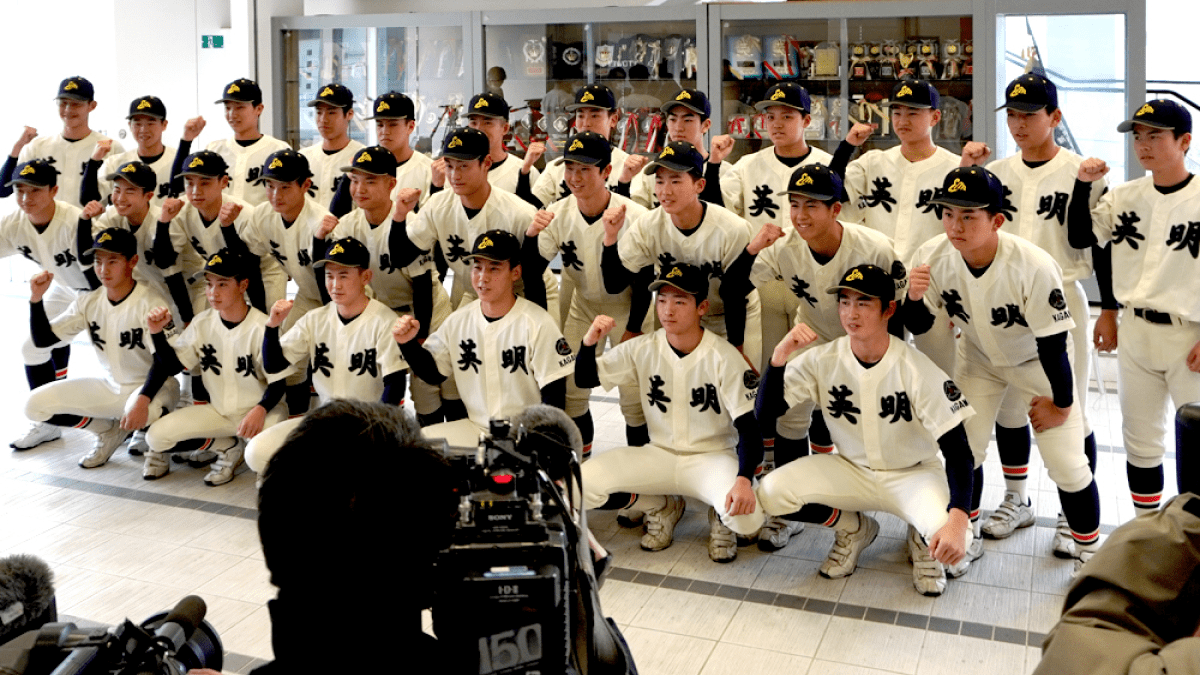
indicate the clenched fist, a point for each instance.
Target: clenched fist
{"x":975,"y":154}
{"x":720,"y":148}
{"x":157,"y":319}
{"x":1092,"y":169}
{"x":532,"y":155}
{"x":91,"y":210}
{"x":918,"y":282}
{"x":39,"y":284}
{"x":23,"y":140}
{"x":406,"y":201}
{"x":859,"y":133}
{"x":541,"y":220}
{"x":632,"y":166}
{"x":798,"y":337}
{"x":170,"y":208}
{"x":192,"y":128}
{"x":601,"y":326}
{"x":405,"y":329}
{"x":613,"y":219}
{"x":328,"y":223}
{"x":279,"y":312}
{"x":103,"y":147}
{"x":769,"y":234}
{"x":229,"y":213}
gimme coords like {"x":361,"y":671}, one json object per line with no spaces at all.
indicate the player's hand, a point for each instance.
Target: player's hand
{"x":719,"y":148}
{"x":1044,"y":415}
{"x":157,"y":319}
{"x":975,"y":153}
{"x":629,"y":335}
{"x":918,"y":282}
{"x":769,"y":234}
{"x":251,"y":425}
{"x":405,"y":329}
{"x":103,"y":147}
{"x":541,"y":220}
{"x":137,"y":415}
{"x":532,"y":154}
{"x":1092,"y":169}
{"x":1104,"y":335}
{"x":229,"y":213}
{"x":949,"y":544}
{"x":859,"y":133}
{"x":192,"y":128}
{"x":632,"y":166}
{"x":279,"y":312}
{"x":39,"y":284}
{"x":1193,"y":358}
{"x":324,"y":229}
{"x":613,"y":219}
{"x":91,"y":210}
{"x":437,"y":172}
{"x":798,"y":337}
{"x":406,"y":201}
{"x":170,"y":208}
{"x":23,"y":140}
{"x":601,"y":326}
{"x":740,"y":500}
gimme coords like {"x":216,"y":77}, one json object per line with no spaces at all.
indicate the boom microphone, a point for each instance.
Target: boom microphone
{"x":550,"y":434}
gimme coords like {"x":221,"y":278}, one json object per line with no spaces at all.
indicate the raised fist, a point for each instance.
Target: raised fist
{"x":541,"y":220}
{"x":279,"y":312}
{"x":859,"y":133}
{"x":192,"y":128}
{"x":405,"y":329}
{"x":229,"y":213}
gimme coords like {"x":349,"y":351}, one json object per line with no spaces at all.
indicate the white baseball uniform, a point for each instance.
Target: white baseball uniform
{"x":327,"y":168}
{"x":245,"y":165}
{"x":551,"y":186}
{"x":690,"y":403}
{"x":415,"y":172}
{"x":146,"y":270}
{"x":291,"y":246}
{"x":70,"y":158}
{"x":641,"y":188}
{"x":161,"y":167}
{"x":504,"y":174}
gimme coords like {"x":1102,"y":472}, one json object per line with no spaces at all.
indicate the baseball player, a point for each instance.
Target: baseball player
{"x":685,"y":229}
{"x":395,"y":121}
{"x":595,"y":110}
{"x":68,"y":150}
{"x":147,"y":122}
{"x":488,"y":113}
{"x":348,"y":345}
{"x":1149,"y":222}
{"x":225,"y":344}
{"x":246,"y":152}
{"x":886,"y":458}
{"x":810,"y":256}
{"x":1006,"y":296}
{"x":570,"y":227}
{"x":115,"y":319}
{"x":1042,"y":180}
{"x":698,"y":399}
{"x":50,"y":233}
{"x":410,"y":290}
{"x":503,"y":352}
{"x":335,"y":109}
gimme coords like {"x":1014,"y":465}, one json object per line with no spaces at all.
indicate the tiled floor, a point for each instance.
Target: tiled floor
{"x":123,"y":547}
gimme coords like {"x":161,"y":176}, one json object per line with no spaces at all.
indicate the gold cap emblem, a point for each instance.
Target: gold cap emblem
{"x":195,"y":163}
{"x":675,"y":272}
{"x":275,"y":164}
{"x":363,"y":157}
{"x":587,"y":96}
{"x":327,"y":91}
{"x":481,"y":103}
{"x":957,"y":186}
{"x":779,"y":93}
{"x":805,"y":179}
{"x":1017,"y":90}
{"x":382,"y":106}
{"x":233,"y":89}
{"x":904,"y":91}
{"x":1144,"y":110}
{"x":143,"y":105}
{"x":216,"y":259}
{"x":683,"y":95}
{"x":103,"y":238}
{"x":454,"y":142}
{"x":575,"y":145}
{"x":129,"y":168}
{"x":485,"y":243}
{"x":666,"y":151}
{"x":854,"y":275}
{"x":27,"y":170}
{"x":337,"y":248}
{"x":70,"y":85}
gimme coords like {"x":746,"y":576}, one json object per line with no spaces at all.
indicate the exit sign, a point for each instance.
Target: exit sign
{"x":212,"y":41}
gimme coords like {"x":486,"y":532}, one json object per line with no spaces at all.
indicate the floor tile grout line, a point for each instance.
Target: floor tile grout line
{"x":133,"y":494}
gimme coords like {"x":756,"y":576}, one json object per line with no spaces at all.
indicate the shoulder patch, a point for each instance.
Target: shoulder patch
{"x":562,"y":347}
{"x":1057,"y":301}
{"x":953,"y":393}
{"x":750,"y":379}
{"x":898,"y":270}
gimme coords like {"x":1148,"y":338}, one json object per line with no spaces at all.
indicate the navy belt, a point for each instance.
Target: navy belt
{"x":1153,"y":316}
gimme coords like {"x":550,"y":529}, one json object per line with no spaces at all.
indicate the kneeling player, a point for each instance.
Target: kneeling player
{"x":226,"y":343}
{"x":698,"y":398}
{"x":885,"y":402}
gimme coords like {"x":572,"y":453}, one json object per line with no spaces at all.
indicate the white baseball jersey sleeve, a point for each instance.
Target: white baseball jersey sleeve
{"x":326,"y":168}
{"x":581,"y":245}
{"x":204,"y":239}
{"x":415,"y":172}
{"x":70,"y":158}
{"x":290,"y":245}
{"x":230,"y":360}
{"x":119,"y":332}
{"x":161,"y":167}
{"x":504,"y":175}
{"x":551,"y":186}
{"x":750,"y":189}
{"x":54,"y":247}
{"x":245,"y":164}
{"x":146,"y":269}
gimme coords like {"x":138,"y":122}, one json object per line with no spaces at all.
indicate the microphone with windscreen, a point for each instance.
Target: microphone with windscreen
{"x":548,"y":435}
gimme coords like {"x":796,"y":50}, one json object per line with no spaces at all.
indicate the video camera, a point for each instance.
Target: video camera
{"x":516,"y":589}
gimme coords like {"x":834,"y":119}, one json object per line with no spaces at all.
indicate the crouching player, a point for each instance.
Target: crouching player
{"x":885,"y":403}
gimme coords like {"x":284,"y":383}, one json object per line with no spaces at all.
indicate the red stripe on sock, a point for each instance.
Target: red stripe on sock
{"x":587,"y":450}
{"x":822,"y":449}
{"x":1016,"y":471}
{"x":207,"y":443}
{"x":83,"y":423}
{"x":60,"y":374}
{"x":768,"y":442}
{"x":1147,"y":499}
{"x":833,"y":519}
{"x":975,"y":514}
{"x":1085,"y":538}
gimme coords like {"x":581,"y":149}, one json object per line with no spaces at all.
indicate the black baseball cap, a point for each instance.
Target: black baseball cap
{"x":139,"y":174}
{"x":115,"y":240}
{"x":488,"y":104}
{"x":914,"y":94}
{"x":242,"y":91}
{"x":678,"y":156}
{"x":204,"y":163}
{"x":36,"y":172}
{"x":348,"y":252}
{"x":1030,"y":93}
{"x":393,"y":105}
{"x":76,"y":88}
{"x":466,"y":143}
{"x":594,"y":96}
{"x":497,"y":245}
{"x":971,"y":187}
{"x":692,"y":99}
{"x":375,"y":160}
{"x":788,"y":94}
{"x":1160,"y":113}
{"x":870,"y":280}
{"x":286,"y":166}
{"x":335,"y":95}
{"x":150,"y":106}
{"x":685,"y":277}
{"x":225,"y":263}
{"x":814,"y":181}
{"x":590,"y":148}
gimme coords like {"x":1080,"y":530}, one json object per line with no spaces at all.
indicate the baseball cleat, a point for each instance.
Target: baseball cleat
{"x":39,"y":432}
{"x":847,"y":546}
{"x":722,"y":542}
{"x":929,"y":575}
{"x":105,"y":445}
{"x":660,"y":524}
{"x":227,"y":463}
{"x":1011,"y":515}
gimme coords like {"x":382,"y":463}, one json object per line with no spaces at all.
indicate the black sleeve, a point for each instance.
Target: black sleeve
{"x":179,"y":295}
{"x":319,"y":247}
{"x":89,"y":189}
{"x":6,"y":174}
{"x":555,"y":393}
{"x":257,"y":290}
{"x":750,"y":445}
{"x":423,"y":302}
{"x":525,"y":191}
{"x":960,"y":467}
{"x":401,"y":248}
{"x":1052,"y":353}
{"x":735,"y":313}
{"x":273,"y":395}
{"x":185,"y":149}
{"x":342,"y":203}
{"x":165,"y":255}
{"x":712,"y":185}
{"x":421,"y":362}
{"x":393,"y":387}
{"x":841,"y":158}
{"x":155,"y":379}
{"x":639,"y":301}
{"x":532,"y":266}
{"x":1079,"y":216}
{"x":917,"y":317}
{"x":586,"y":374}
{"x":738,"y":274}
{"x":1102,"y":263}
{"x":434,"y":189}
{"x":92,"y":279}
{"x":233,"y":240}
{"x":621,"y":189}
{"x":39,"y":326}
{"x":614,"y":273}
{"x":83,"y":243}
{"x":165,"y":353}
{"x":273,"y":359}
{"x":770,"y":405}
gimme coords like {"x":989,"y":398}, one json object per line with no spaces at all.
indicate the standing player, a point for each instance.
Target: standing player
{"x":247,"y":150}
{"x":1155,"y":245}
{"x":488,"y":113}
{"x":225,"y":343}
{"x":882,"y":464}
{"x":698,"y":399}
{"x":595,"y":110}
{"x":1006,"y":295}
{"x":335,"y":109}
{"x":503,"y":352}
{"x":50,"y":233}
{"x":395,"y":121}
{"x":348,"y":345}
{"x":147,"y":122}
{"x":69,"y":149}
{"x":115,"y":318}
